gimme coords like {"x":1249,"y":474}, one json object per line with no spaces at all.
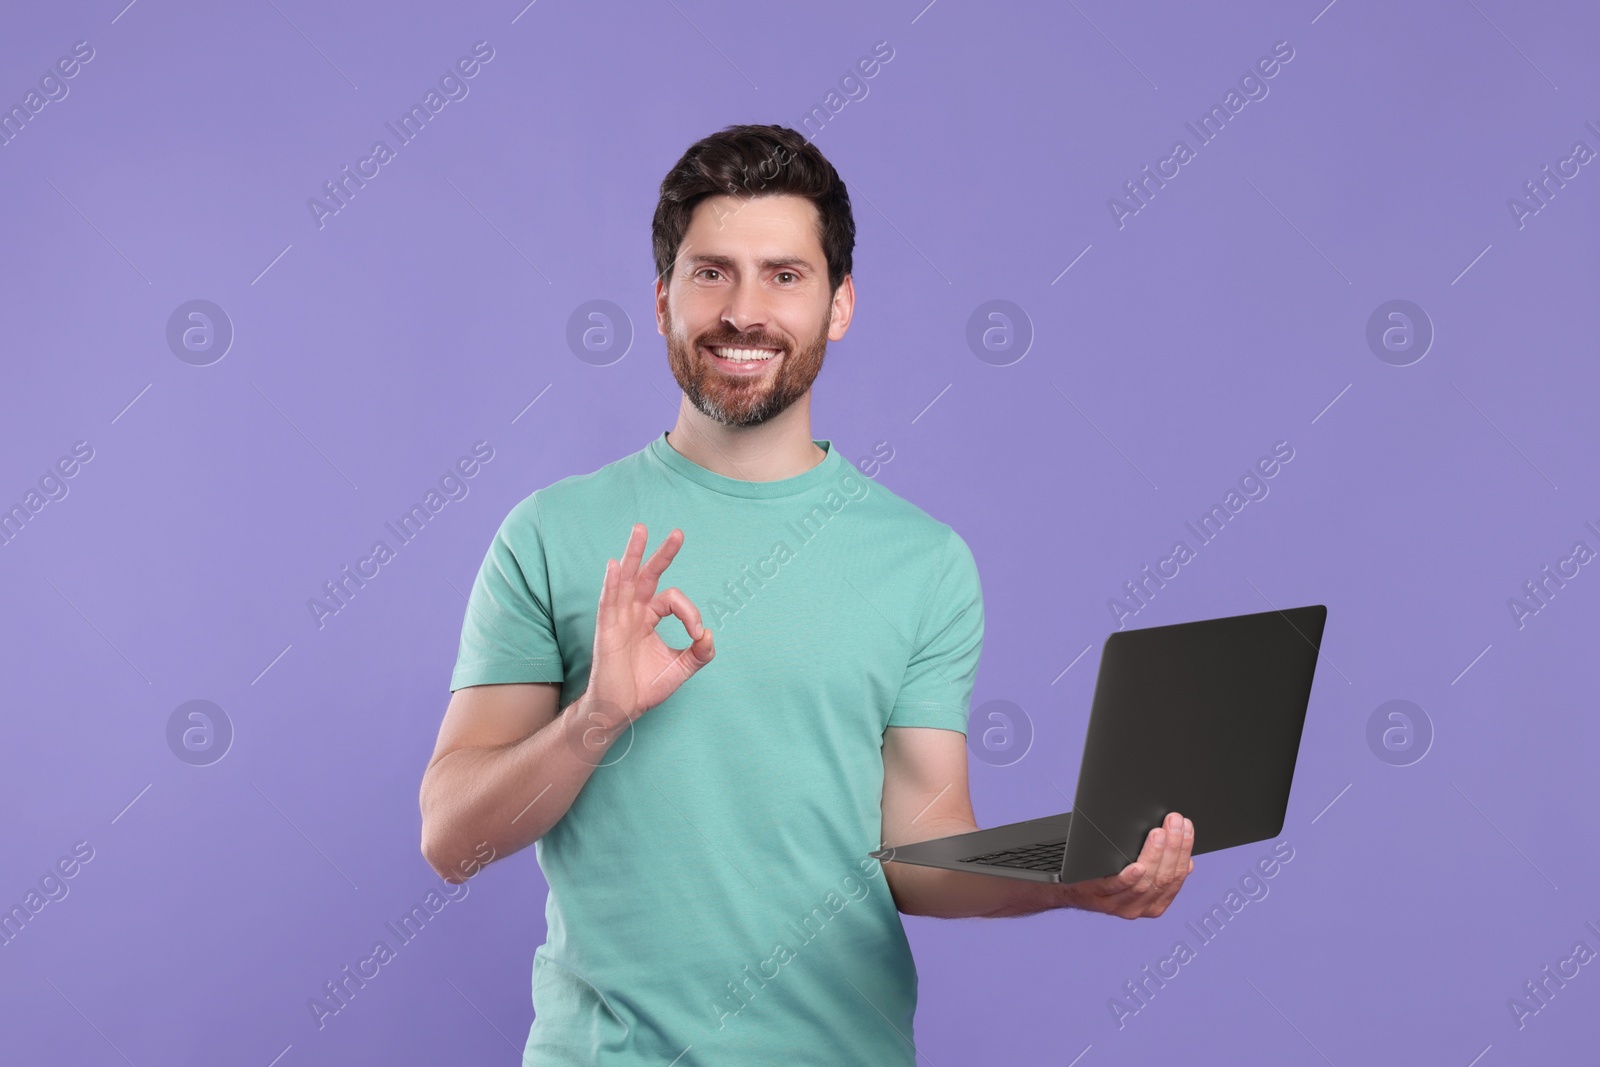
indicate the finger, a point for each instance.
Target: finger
{"x":673,"y":602}
{"x":1150,"y":851}
{"x":662,"y":556}
{"x":606,"y":638}
{"x":1150,"y":857}
{"x":697,"y":655}
{"x":1120,"y":882}
{"x":608,"y":592}
{"x":1167,"y":870}
{"x":635,"y":549}
{"x":1185,"y":865}
{"x":1112,"y":883}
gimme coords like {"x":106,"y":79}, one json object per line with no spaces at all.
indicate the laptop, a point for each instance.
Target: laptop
{"x":1202,"y":718}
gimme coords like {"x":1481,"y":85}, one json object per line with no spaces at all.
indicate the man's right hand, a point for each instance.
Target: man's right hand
{"x":632,"y":669}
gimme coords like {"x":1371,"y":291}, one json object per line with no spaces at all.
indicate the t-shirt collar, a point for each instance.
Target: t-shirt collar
{"x":680,"y":464}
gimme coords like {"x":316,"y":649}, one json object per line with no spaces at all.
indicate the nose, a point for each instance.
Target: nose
{"x":744,"y":312}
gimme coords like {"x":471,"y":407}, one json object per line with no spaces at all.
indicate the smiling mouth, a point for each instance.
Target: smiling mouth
{"x":734,"y":363}
{"x":741,"y":355}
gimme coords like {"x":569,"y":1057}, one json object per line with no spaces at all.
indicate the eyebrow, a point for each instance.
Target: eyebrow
{"x":725,"y":262}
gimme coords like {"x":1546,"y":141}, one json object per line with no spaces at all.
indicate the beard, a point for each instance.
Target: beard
{"x":752,"y":400}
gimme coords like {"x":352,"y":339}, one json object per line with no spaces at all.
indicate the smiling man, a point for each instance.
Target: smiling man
{"x":703,"y":763}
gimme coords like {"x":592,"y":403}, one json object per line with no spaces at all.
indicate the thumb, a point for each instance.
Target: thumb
{"x":702,"y":650}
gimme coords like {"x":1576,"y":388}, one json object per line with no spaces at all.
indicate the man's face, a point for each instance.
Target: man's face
{"x":750,"y":274}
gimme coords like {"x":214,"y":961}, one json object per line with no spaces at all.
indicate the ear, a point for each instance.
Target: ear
{"x":844,"y":306}
{"x":661,"y":307}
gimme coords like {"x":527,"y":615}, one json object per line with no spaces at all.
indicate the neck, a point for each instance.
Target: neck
{"x":779,"y":448}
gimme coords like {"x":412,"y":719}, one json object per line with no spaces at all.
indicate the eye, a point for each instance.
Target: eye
{"x":703,"y":270}
{"x":790,"y":274}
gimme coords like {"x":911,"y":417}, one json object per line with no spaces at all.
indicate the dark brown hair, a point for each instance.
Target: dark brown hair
{"x":752,"y":161}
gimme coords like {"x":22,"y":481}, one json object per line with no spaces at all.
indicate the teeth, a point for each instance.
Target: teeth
{"x":744,"y":355}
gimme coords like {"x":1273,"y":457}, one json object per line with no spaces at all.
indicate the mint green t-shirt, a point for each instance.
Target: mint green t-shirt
{"x":711,"y":896}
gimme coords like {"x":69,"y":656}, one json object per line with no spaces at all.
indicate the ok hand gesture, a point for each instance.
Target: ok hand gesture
{"x":632,"y":669}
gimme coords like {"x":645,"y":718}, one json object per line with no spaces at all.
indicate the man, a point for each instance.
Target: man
{"x":704,"y":767}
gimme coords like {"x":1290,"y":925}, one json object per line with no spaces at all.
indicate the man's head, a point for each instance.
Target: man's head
{"x":752,"y":238}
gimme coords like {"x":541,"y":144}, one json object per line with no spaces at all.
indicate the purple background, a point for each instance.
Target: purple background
{"x":369,"y":354}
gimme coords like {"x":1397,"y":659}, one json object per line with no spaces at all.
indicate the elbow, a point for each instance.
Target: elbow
{"x":435,"y":852}
{"x":437,"y":843}
{"x":903,"y":900}
{"x":432,"y":840}
{"x":444,"y":854}
{"x":444,"y":839}
{"x":440,"y":847}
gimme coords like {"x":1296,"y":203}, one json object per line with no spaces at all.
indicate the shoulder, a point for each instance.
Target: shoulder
{"x":914,"y":527}
{"x":575,"y":495}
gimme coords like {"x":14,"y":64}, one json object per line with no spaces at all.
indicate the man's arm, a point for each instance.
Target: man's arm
{"x":507,"y":766}
{"x":925,"y":796}
{"x":505,"y":769}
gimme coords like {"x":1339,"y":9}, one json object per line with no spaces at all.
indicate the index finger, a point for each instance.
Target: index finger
{"x":1171,"y":860}
{"x":1155,"y":846}
{"x":1121,"y":882}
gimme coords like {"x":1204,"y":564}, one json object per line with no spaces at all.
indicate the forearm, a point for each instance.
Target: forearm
{"x":508,"y":796}
{"x":947,"y":894}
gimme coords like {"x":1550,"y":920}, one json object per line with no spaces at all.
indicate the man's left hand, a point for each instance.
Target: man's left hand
{"x":1146,"y":886}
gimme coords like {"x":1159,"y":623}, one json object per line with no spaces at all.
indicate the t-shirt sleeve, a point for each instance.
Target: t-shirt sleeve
{"x":937,"y":690}
{"x":508,"y":633}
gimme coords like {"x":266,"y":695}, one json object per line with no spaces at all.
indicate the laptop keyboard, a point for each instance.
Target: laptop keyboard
{"x":1045,"y":856}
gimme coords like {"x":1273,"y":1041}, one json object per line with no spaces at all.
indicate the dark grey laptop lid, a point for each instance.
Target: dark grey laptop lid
{"x":1202,"y":718}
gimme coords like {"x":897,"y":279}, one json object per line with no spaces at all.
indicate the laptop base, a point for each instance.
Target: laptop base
{"x":955,"y":852}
